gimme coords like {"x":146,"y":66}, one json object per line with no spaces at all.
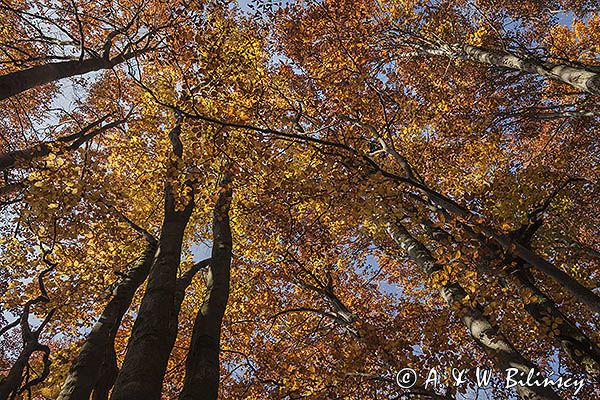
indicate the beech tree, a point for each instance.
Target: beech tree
{"x":261,"y":200}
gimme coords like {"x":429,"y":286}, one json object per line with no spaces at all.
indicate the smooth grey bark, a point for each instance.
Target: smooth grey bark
{"x":579,"y":78}
{"x":202,"y":363}
{"x":503,"y":354}
{"x":95,"y":366}
{"x":518,"y":250}
{"x":451,"y":208}
{"x":576,"y":345}
{"x":341,"y":314}
{"x":17,"y":82}
{"x":148,"y":350}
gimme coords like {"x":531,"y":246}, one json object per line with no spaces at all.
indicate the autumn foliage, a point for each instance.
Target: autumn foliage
{"x":297,"y":200}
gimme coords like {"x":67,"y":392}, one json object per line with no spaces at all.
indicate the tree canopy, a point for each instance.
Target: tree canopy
{"x":299,"y":199}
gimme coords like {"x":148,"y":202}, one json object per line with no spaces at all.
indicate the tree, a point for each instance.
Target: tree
{"x":415,"y":186}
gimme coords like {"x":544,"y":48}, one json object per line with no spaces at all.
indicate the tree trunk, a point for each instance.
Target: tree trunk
{"x":578,"y":290}
{"x":96,"y":363}
{"x":487,"y":337}
{"x":579,"y":78}
{"x":149,"y":346}
{"x":108,"y":375}
{"x":10,"y":159}
{"x":147,"y":351}
{"x":182,"y":283}
{"x":518,"y":250}
{"x":543,"y":309}
{"x":580,"y":349}
{"x":202,"y":364}
{"x":12,"y":384}
{"x":16,"y":82}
